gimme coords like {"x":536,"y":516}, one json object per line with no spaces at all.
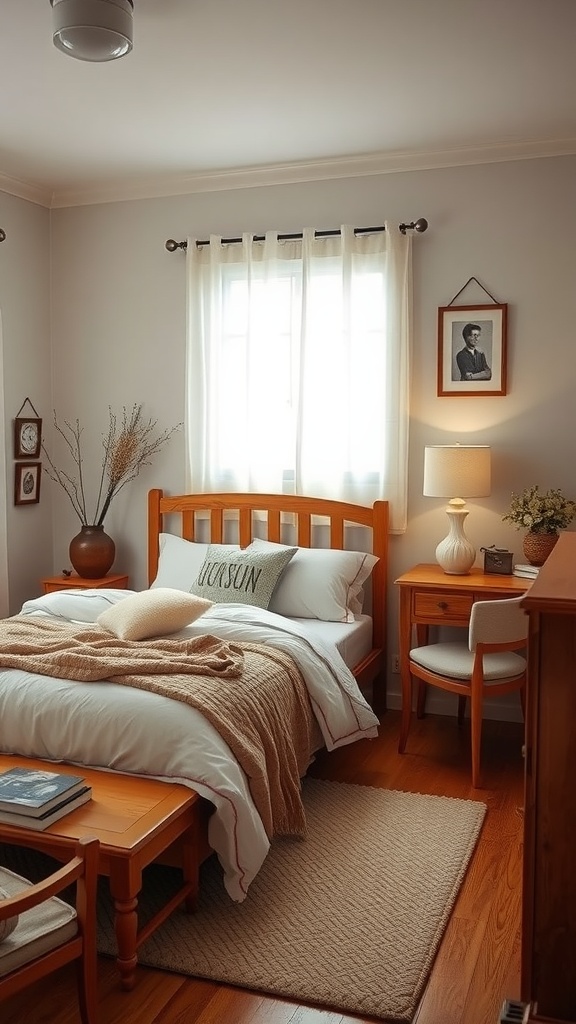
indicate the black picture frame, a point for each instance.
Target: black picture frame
{"x":491,"y":323}
{"x":27,"y":476}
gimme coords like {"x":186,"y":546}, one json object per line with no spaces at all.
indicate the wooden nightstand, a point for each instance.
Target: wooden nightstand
{"x":75,"y":582}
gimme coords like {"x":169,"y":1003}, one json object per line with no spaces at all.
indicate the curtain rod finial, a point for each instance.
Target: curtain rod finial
{"x":171,"y":245}
{"x":419,"y":225}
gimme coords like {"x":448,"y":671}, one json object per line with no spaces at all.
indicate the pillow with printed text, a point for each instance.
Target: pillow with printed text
{"x":244,"y":575}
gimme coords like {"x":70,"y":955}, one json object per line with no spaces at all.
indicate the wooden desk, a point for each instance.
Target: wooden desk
{"x":136,"y":820}
{"x":430,"y":597}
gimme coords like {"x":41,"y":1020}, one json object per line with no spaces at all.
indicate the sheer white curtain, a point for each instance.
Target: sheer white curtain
{"x":297,"y":366}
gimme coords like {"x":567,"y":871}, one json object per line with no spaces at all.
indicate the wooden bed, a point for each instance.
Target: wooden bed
{"x":198,"y":513}
{"x":94,"y":717}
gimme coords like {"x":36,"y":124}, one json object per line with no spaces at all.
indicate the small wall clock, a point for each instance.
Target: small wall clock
{"x":27,"y":437}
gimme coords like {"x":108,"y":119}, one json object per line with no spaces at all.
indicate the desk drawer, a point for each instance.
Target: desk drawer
{"x":431,"y":606}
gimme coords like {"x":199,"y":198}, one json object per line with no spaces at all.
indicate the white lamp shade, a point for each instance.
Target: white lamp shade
{"x":93,"y":30}
{"x":457,"y":469}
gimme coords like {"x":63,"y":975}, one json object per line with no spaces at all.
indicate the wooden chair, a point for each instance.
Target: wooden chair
{"x":485,"y":664}
{"x":49,"y":932}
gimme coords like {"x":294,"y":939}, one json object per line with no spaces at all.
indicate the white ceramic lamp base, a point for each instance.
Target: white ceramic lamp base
{"x":455,"y":554}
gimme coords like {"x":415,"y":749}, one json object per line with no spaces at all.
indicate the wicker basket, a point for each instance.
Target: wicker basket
{"x":537,"y":546}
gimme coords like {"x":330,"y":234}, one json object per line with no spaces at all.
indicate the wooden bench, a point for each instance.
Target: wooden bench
{"x":137,"y":821}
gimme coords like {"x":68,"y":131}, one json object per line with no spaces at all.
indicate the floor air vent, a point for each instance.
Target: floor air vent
{"x":513,"y":1012}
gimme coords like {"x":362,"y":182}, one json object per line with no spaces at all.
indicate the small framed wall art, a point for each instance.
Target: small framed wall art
{"x":27,"y":433}
{"x":27,"y":437}
{"x":472,"y":350}
{"x":27,"y":482}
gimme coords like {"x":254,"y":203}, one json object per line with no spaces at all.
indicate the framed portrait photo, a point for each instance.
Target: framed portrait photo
{"x":27,"y":482}
{"x":472,"y":350}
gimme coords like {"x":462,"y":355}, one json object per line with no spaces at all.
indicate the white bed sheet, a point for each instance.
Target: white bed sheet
{"x":133,"y":731}
{"x":352,"y":640}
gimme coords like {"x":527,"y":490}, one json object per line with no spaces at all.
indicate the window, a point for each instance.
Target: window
{"x":297,"y":366}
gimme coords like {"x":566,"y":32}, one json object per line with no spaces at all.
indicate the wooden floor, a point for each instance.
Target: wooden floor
{"x":477,"y":966}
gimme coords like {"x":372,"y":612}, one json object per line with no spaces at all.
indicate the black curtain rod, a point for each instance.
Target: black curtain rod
{"x":416,"y":225}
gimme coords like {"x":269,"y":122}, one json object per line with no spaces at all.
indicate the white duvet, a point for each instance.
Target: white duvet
{"x":129,"y":730}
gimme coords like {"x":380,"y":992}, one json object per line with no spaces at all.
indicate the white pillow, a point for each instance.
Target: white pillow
{"x":180,"y":561}
{"x":320,"y":583}
{"x":7,"y":926}
{"x":247,"y":576}
{"x":75,"y":605}
{"x":152,"y":613}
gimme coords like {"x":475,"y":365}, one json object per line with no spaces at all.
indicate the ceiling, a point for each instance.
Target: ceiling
{"x":225,"y":93}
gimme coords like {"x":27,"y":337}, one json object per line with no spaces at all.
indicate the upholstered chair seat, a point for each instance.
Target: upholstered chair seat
{"x":457,"y":662}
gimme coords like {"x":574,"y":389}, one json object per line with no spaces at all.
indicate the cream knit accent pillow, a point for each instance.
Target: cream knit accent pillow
{"x":152,"y":613}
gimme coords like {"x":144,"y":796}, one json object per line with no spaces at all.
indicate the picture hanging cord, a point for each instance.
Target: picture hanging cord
{"x":495,"y":301}
{"x":31,"y":406}
{"x":419,"y":225}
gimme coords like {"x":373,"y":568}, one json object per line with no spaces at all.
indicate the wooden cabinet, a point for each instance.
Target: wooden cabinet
{"x":75,"y":582}
{"x":548,"y":975}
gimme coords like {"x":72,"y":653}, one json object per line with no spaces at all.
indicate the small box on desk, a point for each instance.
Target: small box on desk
{"x":498,"y":560}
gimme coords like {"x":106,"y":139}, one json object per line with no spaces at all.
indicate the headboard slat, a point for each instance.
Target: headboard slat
{"x":216,"y":526}
{"x":304,"y":533}
{"x":244,"y":527}
{"x":337,"y":533}
{"x":274,"y":531}
{"x":188,"y":525}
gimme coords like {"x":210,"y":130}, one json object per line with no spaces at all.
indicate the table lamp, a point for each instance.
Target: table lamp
{"x":456,"y":469}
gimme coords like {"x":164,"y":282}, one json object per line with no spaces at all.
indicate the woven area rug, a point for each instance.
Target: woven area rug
{"x":351,"y":918}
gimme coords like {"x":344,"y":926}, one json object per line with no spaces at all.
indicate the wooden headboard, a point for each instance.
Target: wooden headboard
{"x":195,"y":509}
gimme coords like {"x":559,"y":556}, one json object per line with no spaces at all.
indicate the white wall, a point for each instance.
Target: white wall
{"x":25,"y":310}
{"x":118,"y":323}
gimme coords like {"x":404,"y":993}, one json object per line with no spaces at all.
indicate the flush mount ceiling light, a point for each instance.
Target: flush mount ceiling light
{"x":93,"y":30}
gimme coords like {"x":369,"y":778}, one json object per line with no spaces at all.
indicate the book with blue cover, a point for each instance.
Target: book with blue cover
{"x":38,"y":822}
{"x":33,"y":792}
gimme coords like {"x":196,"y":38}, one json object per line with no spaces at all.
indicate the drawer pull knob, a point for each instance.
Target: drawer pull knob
{"x":443,"y":605}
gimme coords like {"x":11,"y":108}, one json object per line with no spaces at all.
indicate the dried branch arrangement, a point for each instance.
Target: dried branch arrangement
{"x":129,"y":444}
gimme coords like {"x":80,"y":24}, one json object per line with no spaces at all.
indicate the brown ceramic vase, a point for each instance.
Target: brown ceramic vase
{"x":92,"y":552}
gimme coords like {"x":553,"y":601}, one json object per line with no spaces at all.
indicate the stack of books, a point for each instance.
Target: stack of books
{"x":529,"y":572}
{"x":36,"y":799}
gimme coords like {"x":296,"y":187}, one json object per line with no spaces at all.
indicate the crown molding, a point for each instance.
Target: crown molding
{"x":123,"y":190}
{"x":26,"y":190}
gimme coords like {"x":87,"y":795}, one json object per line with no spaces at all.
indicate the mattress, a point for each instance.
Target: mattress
{"x":352,"y":640}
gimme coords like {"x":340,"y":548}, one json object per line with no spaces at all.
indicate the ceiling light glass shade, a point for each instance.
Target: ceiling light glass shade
{"x":93,"y":30}
{"x":462,"y":470}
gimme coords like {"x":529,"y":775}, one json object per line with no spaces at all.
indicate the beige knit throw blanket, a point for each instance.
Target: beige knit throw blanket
{"x":253,"y":695}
